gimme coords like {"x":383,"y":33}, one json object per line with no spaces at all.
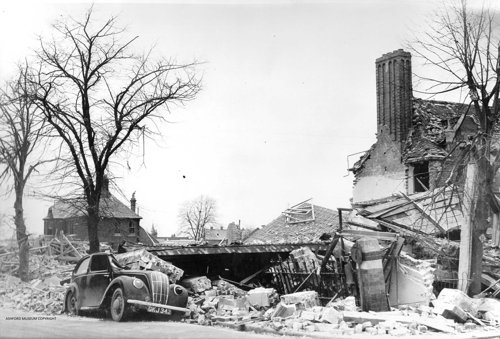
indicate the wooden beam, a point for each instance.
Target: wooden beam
{"x":371,"y":234}
{"x":424,"y":213}
{"x":466,"y":232}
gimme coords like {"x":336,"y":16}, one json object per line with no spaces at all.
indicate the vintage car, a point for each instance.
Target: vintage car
{"x":99,"y":282}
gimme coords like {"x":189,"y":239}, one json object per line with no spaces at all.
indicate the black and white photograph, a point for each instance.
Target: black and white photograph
{"x":250,"y":169}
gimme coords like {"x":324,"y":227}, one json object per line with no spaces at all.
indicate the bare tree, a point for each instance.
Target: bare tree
{"x":197,"y":214}
{"x":96,"y":95}
{"x":462,"y":50}
{"x":20,"y":153}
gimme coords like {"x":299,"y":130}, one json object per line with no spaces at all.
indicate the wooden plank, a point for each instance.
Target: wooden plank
{"x":360,"y":220}
{"x":435,"y":204}
{"x":424,"y":213}
{"x":250,"y":277}
{"x":78,"y":254}
{"x":492,"y":284}
{"x":389,"y":207}
{"x":466,"y":232}
{"x":371,"y":234}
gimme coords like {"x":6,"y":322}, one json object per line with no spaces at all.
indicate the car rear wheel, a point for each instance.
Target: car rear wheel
{"x":118,"y":307}
{"x":71,"y":302}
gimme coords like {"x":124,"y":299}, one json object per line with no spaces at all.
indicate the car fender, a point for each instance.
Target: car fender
{"x":73,"y":288}
{"x":129,"y":290}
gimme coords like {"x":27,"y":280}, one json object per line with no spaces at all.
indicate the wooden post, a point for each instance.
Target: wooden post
{"x":466,"y":232}
{"x":496,"y":230}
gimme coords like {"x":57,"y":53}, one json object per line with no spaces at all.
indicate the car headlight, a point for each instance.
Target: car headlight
{"x":178,"y":290}
{"x":138,"y":283}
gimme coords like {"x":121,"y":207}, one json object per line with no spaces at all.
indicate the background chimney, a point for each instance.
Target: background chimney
{"x":394,"y":95}
{"x":133,"y":202}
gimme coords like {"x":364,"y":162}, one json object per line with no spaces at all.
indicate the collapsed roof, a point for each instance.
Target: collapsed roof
{"x":302,"y":223}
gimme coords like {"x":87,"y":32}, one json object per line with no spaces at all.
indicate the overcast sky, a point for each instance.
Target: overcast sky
{"x":288,"y":93}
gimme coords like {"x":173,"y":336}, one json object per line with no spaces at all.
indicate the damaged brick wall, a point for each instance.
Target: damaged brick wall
{"x":383,"y":172}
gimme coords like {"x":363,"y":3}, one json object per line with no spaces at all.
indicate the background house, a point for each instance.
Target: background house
{"x":232,"y":234}
{"x":118,"y":221}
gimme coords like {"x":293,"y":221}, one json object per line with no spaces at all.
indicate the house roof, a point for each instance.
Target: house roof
{"x":431,"y":121}
{"x":302,"y":229}
{"x":109,"y":207}
{"x":427,"y":140}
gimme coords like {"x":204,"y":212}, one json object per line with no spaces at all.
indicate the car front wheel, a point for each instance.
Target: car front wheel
{"x":118,"y":308}
{"x":71,"y":302}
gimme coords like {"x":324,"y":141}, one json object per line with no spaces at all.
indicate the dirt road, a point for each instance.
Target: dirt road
{"x":17,"y":324}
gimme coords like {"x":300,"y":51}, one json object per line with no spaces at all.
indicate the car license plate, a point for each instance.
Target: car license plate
{"x":160,"y":310}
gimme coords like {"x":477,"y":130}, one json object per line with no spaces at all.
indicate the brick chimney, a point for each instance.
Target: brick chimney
{"x":133,"y":202}
{"x":394,"y":95}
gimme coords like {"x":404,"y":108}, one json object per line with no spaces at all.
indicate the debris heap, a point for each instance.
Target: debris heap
{"x":262,"y":310}
{"x":144,"y":260}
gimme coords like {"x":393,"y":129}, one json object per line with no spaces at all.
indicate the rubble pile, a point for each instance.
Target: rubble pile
{"x":144,"y":260}
{"x":39,"y":295}
{"x":261,"y":309}
{"x":43,"y":293}
{"x":41,"y":265}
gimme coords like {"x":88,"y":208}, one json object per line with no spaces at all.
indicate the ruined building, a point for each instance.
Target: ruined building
{"x":416,"y":148}
{"x":118,"y":221}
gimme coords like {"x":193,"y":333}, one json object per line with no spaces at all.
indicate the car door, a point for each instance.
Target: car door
{"x":80,"y":279}
{"x":98,"y":279}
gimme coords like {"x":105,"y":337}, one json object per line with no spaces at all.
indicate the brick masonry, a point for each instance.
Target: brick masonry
{"x":111,"y":230}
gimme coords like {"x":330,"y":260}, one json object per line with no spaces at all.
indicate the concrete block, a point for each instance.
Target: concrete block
{"x":283,"y":311}
{"x":330,"y":315}
{"x":197,"y":284}
{"x":455,"y":313}
{"x":304,"y":259}
{"x":260,"y":297}
{"x":309,"y":315}
{"x":307,"y":299}
{"x":211,"y":293}
{"x":490,"y":305}
{"x":457,"y":298}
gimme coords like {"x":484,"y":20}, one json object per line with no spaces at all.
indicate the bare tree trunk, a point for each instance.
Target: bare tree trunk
{"x":481,"y":223}
{"x":22,"y":238}
{"x":92,"y":227}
